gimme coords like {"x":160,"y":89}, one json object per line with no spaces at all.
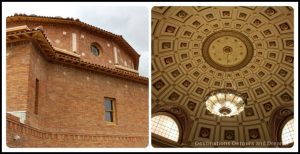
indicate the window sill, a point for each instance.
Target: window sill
{"x":110,"y":124}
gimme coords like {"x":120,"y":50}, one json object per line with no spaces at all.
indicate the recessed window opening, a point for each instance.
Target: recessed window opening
{"x":166,"y":127}
{"x":36,"y":101}
{"x":109,"y":110}
{"x":95,"y":49}
{"x":287,"y":135}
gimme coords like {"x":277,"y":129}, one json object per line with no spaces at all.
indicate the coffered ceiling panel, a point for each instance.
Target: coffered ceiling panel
{"x":199,"y":49}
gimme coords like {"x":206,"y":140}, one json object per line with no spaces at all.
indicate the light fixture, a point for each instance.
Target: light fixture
{"x":225,"y":102}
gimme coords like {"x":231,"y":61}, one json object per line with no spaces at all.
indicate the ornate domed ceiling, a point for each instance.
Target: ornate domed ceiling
{"x":199,"y":49}
{"x":227,"y":50}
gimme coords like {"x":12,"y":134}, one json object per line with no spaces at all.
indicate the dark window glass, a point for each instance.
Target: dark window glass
{"x":108,"y":105}
{"x":109,"y":116}
{"x":109,"y":109}
{"x":36,"y":96}
{"x":95,"y":50}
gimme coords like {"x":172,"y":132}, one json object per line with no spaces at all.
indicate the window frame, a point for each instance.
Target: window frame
{"x":281,"y":129}
{"x":162,"y":137}
{"x":113,"y":111}
{"x":278,"y":118}
{"x":98,"y":47}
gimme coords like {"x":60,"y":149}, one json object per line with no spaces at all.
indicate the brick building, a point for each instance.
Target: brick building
{"x":70,"y":84}
{"x":223,"y":76}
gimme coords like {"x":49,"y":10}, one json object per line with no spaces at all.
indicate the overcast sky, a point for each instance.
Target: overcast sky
{"x":129,"y":21}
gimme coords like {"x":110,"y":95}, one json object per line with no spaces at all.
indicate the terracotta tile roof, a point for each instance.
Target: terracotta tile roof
{"x":38,"y":36}
{"x":118,"y":38}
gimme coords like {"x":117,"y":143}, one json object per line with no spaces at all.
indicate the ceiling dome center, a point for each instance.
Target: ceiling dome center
{"x":227,"y":50}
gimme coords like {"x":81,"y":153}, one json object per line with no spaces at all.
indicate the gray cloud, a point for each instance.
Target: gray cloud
{"x":129,"y":21}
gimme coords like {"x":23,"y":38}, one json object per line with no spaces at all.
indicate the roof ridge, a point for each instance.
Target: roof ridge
{"x":62,"y":18}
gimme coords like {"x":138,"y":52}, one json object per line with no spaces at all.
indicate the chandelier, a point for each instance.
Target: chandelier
{"x":225,"y":102}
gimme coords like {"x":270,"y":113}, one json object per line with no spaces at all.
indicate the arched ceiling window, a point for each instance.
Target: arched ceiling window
{"x":287,"y":135}
{"x":166,"y":127}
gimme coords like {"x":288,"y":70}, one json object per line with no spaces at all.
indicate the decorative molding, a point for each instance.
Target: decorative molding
{"x":63,"y":56}
{"x":74,"y":43}
{"x":207,"y":42}
{"x":127,"y":69}
{"x":18,"y":28}
{"x":267,"y":80}
{"x":14,"y":125}
{"x":76,"y":22}
{"x":278,"y":118}
{"x":181,"y":115}
{"x":66,"y":52}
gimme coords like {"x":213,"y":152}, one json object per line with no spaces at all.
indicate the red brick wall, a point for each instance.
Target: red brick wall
{"x":78,"y":97}
{"x":17,"y":68}
{"x":37,"y":70}
{"x":71,"y":101}
{"x":54,"y":32}
{"x":31,"y":137}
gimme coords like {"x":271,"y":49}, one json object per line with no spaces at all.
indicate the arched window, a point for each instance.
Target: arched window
{"x":287,"y":134}
{"x":166,"y":127}
{"x":95,"y":49}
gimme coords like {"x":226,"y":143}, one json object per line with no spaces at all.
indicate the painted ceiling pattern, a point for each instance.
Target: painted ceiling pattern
{"x":190,"y":50}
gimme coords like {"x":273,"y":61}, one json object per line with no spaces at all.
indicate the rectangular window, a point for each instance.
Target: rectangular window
{"x":36,"y":96}
{"x":109,"y":105}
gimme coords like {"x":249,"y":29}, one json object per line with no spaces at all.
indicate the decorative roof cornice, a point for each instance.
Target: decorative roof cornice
{"x":117,"y":38}
{"x":51,"y":54}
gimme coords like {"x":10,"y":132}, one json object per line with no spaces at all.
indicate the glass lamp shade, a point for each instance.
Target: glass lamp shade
{"x":225,"y":102}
